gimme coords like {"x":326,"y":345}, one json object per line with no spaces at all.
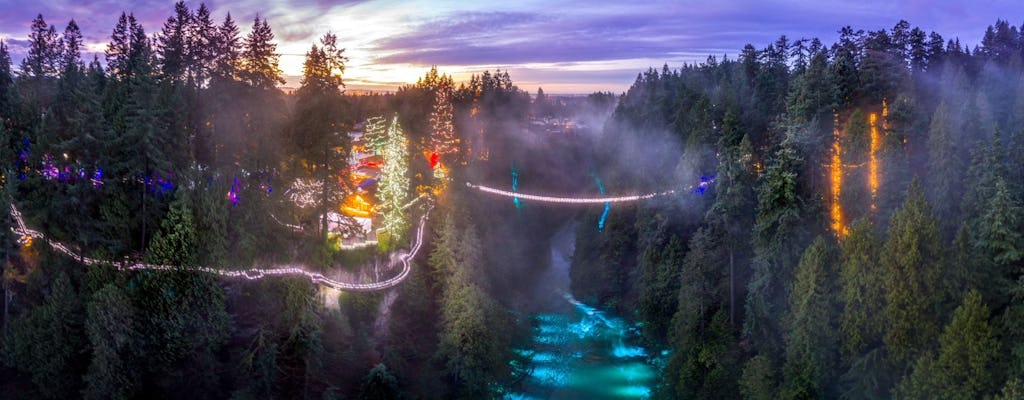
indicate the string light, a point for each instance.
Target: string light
{"x":876,"y":143}
{"x":250,"y":273}
{"x":569,"y":200}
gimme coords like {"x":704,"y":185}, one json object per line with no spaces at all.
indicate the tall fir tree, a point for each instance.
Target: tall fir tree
{"x":913,"y":262}
{"x":777,"y":242}
{"x":811,"y":332}
{"x":226,"y":51}
{"x":173,"y":44}
{"x":259,"y":58}
{"x":860,"y":281}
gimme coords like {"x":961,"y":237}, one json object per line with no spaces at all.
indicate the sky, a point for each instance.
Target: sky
{"x":570,"y":47}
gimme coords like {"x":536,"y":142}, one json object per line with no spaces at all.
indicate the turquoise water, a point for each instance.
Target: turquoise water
{"x":585,"y":353}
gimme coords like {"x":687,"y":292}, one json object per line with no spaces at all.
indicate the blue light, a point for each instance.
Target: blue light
{"x":621,"y":350}
{"x":607,"y":206}
{"x":515,"y":186}
{"x":705,"y":182}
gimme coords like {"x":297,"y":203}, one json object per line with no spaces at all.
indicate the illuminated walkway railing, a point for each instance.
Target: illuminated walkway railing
{"x":252,"y":273}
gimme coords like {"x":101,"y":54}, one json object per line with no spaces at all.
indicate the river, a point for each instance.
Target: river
{"x":578,"y":351}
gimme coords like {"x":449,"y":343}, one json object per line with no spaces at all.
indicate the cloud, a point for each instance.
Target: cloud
{"x":385,"y":35}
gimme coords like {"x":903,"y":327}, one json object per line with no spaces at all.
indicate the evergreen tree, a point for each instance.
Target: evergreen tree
{"x":211,"y":220}
{"x":944,"y":176}
{"x":394,"y":186}
{"x":912,"y":259}
{"x":759,"y":381}
{"x":379,"y":384}
{"x":44,"y":51}
{"x":474,"y":336}
{"x":861,"y":291}
{"x":45,"y":344}
{"x":202,"y":45}
{"x":226,"y":51}
{"x":999,"y":247}
{"x":968,"y":350}
{"x":319,"y":127}
{"x":986,"y":168}
{"x":711,"y":365}
{"x":173,"y":44}
{"x":118,"y":52}
{"x":442,"y":138}
{"x":259,"y":57}
{"x":6,"y":87}
{"x":776,"y":246}
{"x":71,"y":54}
{"x":811,"y":339}
{"x":109,"y":325}
{"x":175,"y":244}
{"x":1013,"y":325}
{"x":659,"y":286}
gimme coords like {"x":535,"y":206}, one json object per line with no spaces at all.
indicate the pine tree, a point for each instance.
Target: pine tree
{"x":394,"y":186}
{"x":474,"y":337}
{"x":913,"y":261}
{"x":110,"y":328}
{"x":175,"y":244}
{"x":999,"y":247}
{"x":963,"y":369}
{"x":6,"y":85}
{"x":442,"y":258}
{"x":659,"y":286}
{"x":944,"y":168}
{"x":986,"y":168}
{"x":129,"y":52}
{"x":44,"y":53}
{"x":226,"y":51}
{"x":202,"y":46}
{"x":259,"y":57}
{"x":117,"y":52}
{"x":173,"y":44}
{"x":71,"y":54}
{"x":379,"y":384}
{"x":319,"y":120}
{"x":969,"y":349}
{"x":46,"y":343}
{"x":811,"y":339}
{"x":777,"y":244}
{"x":860,"y":280}
{"x":1013,"y":325}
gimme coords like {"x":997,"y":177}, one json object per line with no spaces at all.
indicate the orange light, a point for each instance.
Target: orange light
{"x":876,"y":143}
{"x":836,"y":175}
{"x":356,"y":206}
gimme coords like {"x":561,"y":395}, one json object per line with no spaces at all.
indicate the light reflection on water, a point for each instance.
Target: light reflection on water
{"x":585,"y":354}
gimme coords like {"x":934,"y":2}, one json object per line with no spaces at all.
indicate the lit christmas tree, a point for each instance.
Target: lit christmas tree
{"x":394,"y":186}
{"x":442,"y":139}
